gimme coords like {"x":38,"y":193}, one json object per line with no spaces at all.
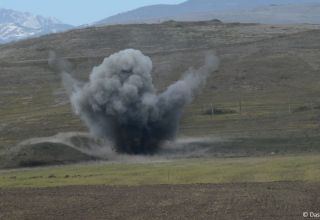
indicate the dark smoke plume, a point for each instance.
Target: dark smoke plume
{"x":119,"y":102}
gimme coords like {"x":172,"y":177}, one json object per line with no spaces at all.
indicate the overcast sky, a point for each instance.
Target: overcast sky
{"x":77,"y":12}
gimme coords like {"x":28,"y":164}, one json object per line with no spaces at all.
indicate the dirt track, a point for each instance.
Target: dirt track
{"x":222,"y":201}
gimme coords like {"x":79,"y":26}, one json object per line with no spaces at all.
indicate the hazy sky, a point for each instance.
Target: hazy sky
{"x":77,"y":12}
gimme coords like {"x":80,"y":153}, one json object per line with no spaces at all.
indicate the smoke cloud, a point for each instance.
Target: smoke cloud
{"x":119,"y":103}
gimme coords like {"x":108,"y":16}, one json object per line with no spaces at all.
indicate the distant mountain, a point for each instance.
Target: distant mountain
{"x":276,"y":14}
{"x":16,"y":25}
{"x":263,"y":11}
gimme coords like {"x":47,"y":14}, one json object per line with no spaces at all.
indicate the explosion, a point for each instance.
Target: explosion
{"x":120,"y":103}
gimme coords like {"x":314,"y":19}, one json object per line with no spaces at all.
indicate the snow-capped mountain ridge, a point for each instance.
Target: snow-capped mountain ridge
{"x":16,"y":25}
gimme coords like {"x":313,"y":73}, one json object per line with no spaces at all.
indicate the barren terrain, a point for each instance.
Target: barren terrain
{"x":265,"y":201}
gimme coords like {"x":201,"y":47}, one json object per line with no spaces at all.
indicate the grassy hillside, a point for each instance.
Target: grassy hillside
{"x":301,"y":168}
{"x":267,"y":86}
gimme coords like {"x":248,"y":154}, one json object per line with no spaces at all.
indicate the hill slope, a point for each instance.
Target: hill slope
{"x":268,"y":11}
{"x":267,"y":87}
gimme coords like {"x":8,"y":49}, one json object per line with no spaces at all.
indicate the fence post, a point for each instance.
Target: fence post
{"x":212,"y":110}
{"x":289,"y":108}
{"x":289,"y":105}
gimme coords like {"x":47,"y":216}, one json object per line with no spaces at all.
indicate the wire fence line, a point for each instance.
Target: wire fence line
{"x":240,"y":108}
{"x":210,"y":109}
{"x":247,"y":120}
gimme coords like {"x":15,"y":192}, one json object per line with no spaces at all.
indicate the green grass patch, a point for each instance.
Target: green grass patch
{"x":268,"y":169}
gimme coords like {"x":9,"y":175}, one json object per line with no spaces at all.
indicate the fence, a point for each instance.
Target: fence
{"x":236,"y":118}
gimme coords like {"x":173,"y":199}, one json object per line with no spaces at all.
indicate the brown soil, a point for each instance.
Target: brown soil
{"x":213,"y":201}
